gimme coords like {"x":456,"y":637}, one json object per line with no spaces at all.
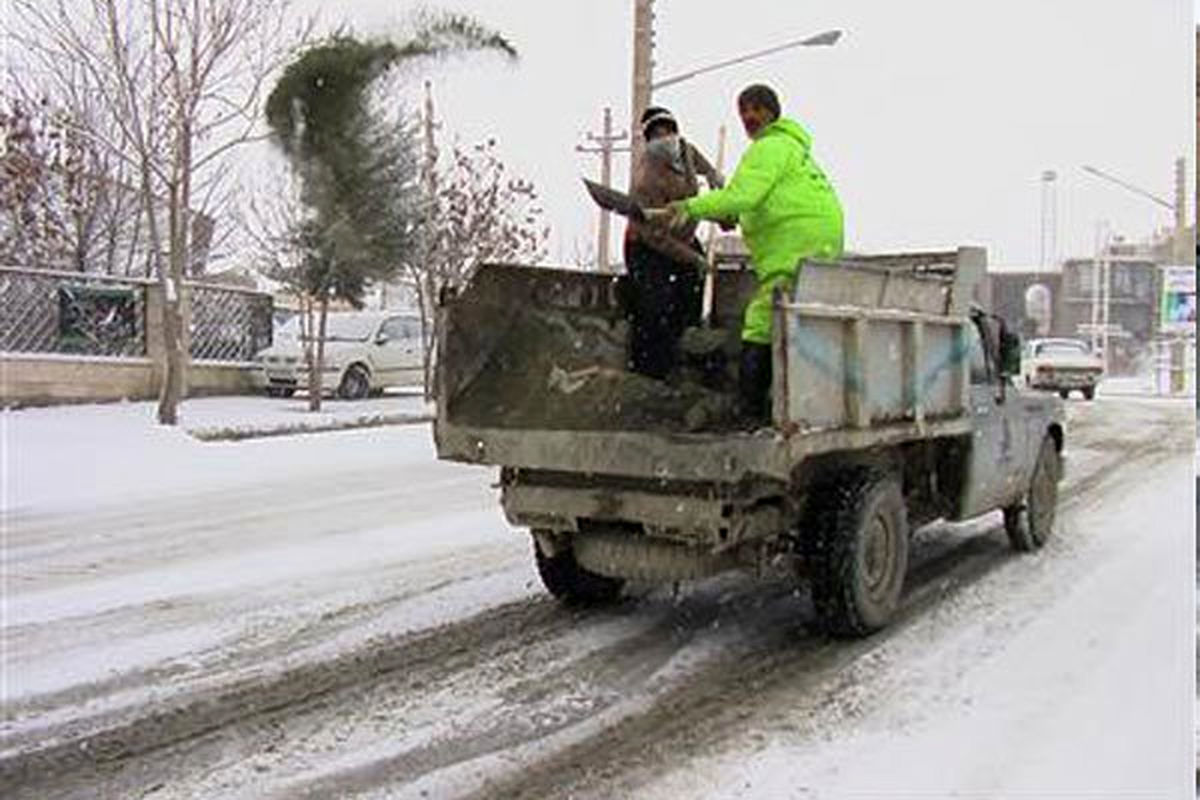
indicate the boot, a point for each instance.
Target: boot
{"x":754,"y":384}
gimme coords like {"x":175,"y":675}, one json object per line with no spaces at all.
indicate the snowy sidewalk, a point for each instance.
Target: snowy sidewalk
{"x":1135,"y":386}
{"x":247,"y":417}
{"x":82,"y":455}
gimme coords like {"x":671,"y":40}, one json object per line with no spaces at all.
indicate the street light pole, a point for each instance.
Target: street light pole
{"x":825,"y":39}
{"x":1099,"y":173}
{"x":643,"y":68}
{"x":1049,"y":217}
{"x":1180,"y":250}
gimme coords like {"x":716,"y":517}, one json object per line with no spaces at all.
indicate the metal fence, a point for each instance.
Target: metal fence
{"x":71,"y":313}
{"x":228,"y":324}
{"x":44,"y":311}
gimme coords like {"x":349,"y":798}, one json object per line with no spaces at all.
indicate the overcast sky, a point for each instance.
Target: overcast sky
{"x":934,"y":118}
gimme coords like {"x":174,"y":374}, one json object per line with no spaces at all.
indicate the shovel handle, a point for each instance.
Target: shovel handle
{"x":706,"y":302}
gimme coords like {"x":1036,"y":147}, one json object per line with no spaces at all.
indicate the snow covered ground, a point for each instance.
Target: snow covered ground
{"x":340,"y":614}
{"x":83,"y":456}
{"x":1076,"y":694}
{"x":214,"y":418}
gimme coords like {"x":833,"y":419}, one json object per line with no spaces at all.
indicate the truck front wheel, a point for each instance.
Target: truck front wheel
{"x":571,"y":584}
{"x":860,"y":530}
{"x":1029,"y":522}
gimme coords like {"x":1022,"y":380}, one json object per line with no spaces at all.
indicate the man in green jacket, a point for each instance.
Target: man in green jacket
{"x":787,"y":210}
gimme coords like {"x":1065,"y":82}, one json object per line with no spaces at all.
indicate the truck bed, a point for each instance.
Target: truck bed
{"x":868,"y":351}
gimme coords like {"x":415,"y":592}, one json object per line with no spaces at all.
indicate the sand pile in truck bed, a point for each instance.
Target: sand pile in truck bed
{"x":555,"y":372}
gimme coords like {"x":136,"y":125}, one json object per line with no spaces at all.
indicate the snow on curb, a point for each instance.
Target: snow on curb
{"x":237,"y":433}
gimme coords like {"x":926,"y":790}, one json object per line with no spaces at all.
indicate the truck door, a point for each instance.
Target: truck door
{"x":998,"y":436}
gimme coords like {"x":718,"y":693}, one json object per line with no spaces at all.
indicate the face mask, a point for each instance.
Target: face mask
{"x":665,"y":148}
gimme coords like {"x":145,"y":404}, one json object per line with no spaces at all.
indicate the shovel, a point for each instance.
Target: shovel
{"x":705,"y":339}
{"x":616,"y":201}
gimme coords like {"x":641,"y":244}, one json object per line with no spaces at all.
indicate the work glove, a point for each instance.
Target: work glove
{"x":671,"y":216}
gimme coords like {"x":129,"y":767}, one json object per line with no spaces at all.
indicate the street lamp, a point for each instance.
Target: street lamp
{"x":1179,"y":253}
{"x":826,"y":39}
{"x":1099,"y":173}
{"x":643,"y":66}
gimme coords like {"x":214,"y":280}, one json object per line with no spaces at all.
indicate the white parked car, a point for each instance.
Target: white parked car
{"x":1061,"y":365}
{"x":365,"y":351}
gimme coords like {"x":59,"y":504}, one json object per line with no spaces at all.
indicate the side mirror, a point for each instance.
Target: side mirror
{"x":1010,"y":352}
{"x":381,"y":339}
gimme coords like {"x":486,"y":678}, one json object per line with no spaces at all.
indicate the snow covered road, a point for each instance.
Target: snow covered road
{"x":341,"y":615}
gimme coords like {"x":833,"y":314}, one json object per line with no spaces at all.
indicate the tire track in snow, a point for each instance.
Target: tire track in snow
{"x":689,"y":714}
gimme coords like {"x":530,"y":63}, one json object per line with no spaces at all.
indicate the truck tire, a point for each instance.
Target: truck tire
{"x":860,"y":552}
{"x":571,"y":584}
{"x":1029,"y":522}
{"x":1064,"y":393}
{"x":1089,"y":393}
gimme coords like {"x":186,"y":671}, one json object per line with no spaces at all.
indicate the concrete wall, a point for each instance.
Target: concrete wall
{"x":47,"y":378}
{"x":31,"y":379}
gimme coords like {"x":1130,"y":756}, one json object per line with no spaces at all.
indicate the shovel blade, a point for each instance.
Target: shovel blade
{"x":613,"y":200}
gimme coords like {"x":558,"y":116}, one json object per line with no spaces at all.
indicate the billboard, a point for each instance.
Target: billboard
{"x":1177,"y":311}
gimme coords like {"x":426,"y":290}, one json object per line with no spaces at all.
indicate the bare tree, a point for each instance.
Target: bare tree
{"x":477,"y":213}
{"x":182,"y":83}
{"x":57,"y":173}
{"x":32,"y":228}
{"x":282,"y":242}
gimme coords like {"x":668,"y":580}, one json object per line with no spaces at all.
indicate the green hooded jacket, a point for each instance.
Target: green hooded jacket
{"x":787,"y":210}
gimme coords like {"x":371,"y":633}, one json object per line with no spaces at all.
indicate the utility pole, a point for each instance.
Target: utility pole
{"x":643,"y":72}
{"x":1182,"y":250}
{"x":1098,"y":276}
{"x":605,"y":148}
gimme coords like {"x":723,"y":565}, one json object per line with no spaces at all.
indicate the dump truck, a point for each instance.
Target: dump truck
{"x":893,"y":405}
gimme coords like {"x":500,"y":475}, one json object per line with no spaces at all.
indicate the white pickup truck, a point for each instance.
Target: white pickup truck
{"x":893,"y":405}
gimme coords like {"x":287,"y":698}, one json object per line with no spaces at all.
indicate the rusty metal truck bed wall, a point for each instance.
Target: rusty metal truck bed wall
{"x":876,"y":340}
{"x":869,"y":352}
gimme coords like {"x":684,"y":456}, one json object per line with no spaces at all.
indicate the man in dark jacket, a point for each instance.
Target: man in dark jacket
{"x":665,"y":266}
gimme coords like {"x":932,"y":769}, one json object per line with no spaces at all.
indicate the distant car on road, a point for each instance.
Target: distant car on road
{"x":365,"y":351}
{"x":1061,"y":365}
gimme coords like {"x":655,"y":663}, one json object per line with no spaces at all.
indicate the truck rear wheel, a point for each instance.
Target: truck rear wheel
{"x":571,"y":584}
{"x":1029,"y":522}
{"x":860,"y":529}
